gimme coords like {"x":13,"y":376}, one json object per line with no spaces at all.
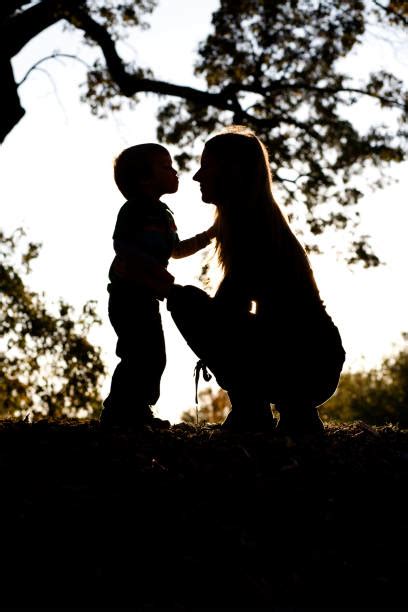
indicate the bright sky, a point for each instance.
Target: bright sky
{"x":56,"y":182}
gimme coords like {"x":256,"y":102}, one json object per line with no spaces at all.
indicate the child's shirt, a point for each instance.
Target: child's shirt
{"x":145,"y":229}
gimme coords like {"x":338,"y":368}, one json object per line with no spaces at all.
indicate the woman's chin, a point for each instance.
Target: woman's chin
{"x":206,"y":198}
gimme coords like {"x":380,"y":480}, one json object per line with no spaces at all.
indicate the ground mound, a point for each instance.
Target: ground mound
{"x":194,"y":517}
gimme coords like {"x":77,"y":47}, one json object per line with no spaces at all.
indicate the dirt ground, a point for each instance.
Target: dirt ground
{"x":191,"y":517}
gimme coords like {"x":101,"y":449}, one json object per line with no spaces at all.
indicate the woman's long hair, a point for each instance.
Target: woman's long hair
{"x":253,"y":234}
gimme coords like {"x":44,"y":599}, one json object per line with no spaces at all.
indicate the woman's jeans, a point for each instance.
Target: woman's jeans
{"x":247,"y":356}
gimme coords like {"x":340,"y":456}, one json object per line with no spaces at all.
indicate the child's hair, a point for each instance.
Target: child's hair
{"x":249,"y":220}
{"x":133,"y":165}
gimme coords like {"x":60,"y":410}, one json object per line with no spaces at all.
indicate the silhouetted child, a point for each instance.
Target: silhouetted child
{"x":144,"y":239}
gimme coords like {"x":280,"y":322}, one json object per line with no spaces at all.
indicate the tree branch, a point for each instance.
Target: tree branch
{"x":130,"y":84}
{"x":389,"y":9}
{"x":18,"y":30}
{"x":55,"y":55}
{"x":276,"y":86}
{"x":7,"y":7}
{"x":330,"y":90}
{"x":12,"y":111}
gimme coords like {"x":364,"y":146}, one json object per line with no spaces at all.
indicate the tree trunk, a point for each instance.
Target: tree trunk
{"x":11,"y":109}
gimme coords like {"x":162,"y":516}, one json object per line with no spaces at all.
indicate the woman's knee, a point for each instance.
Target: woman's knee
{"x":187,"y":298}
{"x":191,"y":310}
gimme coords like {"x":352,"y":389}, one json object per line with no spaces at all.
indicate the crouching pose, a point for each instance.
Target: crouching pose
{"x":266,"y":334}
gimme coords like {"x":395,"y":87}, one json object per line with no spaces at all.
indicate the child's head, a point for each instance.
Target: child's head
{"x":145,"y":168}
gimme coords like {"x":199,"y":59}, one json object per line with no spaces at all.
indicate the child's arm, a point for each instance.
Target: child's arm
{"x":187,"y":247}
{"x":143,"y":271}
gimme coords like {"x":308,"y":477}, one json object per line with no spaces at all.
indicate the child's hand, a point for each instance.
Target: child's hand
{"x":211,"y":232}
{"x":144,"y":273}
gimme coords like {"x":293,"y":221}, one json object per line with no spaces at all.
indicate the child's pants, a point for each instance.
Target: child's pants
{"x":136,"y":380}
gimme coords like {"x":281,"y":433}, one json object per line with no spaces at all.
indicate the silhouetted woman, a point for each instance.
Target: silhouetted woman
{"x":265,"y":335}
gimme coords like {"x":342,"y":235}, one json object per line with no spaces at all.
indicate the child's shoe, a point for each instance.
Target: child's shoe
{"x":138,"y":418}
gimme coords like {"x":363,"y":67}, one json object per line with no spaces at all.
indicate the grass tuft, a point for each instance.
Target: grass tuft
{"x":195,"y":517}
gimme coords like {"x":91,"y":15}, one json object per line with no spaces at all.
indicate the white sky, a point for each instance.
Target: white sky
{"x":56,"y":182}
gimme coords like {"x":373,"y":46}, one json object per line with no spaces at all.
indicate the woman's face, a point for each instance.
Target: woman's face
{"x":209,"y":177}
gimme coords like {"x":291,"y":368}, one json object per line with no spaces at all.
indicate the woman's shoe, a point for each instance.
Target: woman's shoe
{"x":300,"y":422}
{"x":259,"y":419}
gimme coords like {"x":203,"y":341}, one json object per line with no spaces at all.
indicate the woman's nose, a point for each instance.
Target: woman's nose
{"x":196,"y":177}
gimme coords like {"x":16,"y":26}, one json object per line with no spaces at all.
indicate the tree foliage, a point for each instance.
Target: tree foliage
{"x":274,"y":65}
{"x":213,"y":407}
{"x":48,"y":365}
{"x":376,"y":396}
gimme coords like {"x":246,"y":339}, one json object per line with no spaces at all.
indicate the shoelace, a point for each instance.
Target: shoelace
{"x":200,"y":367}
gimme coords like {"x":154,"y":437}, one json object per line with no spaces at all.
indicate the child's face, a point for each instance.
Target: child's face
{"x":163,"y":177}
